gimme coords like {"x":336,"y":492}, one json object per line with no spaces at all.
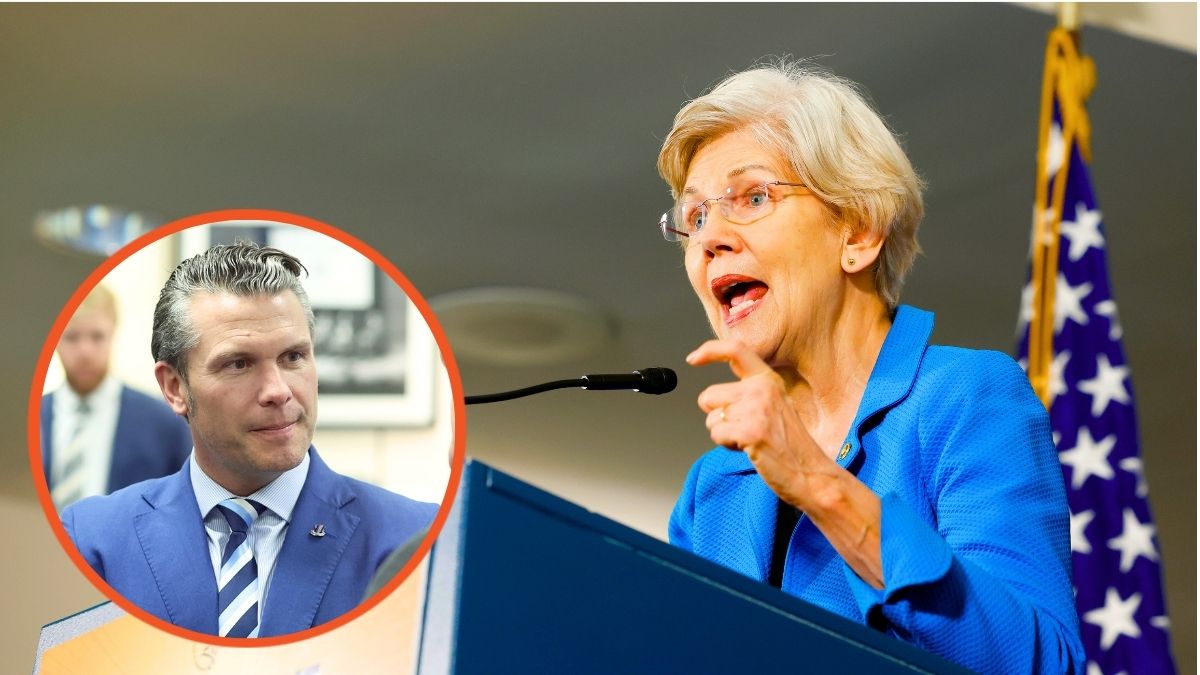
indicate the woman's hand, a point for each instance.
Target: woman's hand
{"x":755,"y":415}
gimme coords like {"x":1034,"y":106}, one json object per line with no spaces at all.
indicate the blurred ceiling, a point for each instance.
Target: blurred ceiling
{"x":1167,"y":23}
{"x":514,"y":145}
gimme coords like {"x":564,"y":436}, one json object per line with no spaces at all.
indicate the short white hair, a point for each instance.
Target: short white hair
{"x":830,"y":136}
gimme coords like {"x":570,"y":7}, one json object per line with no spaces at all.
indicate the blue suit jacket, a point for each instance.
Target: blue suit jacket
{"x":148,"y":542}
{"x":974,"y":537}
{"x":151,"y":441}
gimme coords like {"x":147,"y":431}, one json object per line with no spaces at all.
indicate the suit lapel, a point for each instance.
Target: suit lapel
{"x":173,"y":540}
{"x":754,"y":518}
{"x":306,"y":563}
{"x":895,"y":371}
{"x":119,"y":466}
{"x":761,"y":514}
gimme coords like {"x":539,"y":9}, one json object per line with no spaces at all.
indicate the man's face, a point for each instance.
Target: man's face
{"x":251,"y":389}
{"x":85,"y":348}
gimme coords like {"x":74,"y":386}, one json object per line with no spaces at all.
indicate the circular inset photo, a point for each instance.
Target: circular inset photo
{"x":246,"y":427}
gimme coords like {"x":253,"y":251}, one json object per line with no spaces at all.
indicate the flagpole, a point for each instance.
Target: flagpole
{"x":1068,"y":16}
{"x":1068,"y":78}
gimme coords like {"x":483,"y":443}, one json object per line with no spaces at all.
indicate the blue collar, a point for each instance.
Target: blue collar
{"x":894,"y":373}
{"x":896,"y":368}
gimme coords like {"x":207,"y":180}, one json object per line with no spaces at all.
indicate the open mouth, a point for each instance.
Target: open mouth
{"x":738,"y":294}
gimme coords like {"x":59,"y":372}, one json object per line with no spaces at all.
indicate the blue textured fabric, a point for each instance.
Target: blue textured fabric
{"x":974,"y":539}
{"x":148,"y":543}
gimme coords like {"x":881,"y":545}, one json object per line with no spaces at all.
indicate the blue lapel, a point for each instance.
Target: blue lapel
{"x":891,"y":380}
{"x":47,"y":434}
{"x":895,"y":370}
{"x":760,"y":515}
{"x":306,"y":564}
{"x":176,"y":547}
{"x":124,"y":464}
{"x":755,"y":525}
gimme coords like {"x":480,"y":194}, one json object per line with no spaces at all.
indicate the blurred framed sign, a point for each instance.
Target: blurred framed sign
{"x":375,"y":353}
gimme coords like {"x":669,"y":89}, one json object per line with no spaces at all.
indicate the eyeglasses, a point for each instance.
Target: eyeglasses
{"x":742,"y":204}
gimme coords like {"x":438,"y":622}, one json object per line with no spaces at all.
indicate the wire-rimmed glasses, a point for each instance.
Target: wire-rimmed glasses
{"x":742,"y":203}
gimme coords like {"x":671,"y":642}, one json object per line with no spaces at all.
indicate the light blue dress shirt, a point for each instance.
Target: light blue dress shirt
{"x":94,"y":441}
{"x":266,"y":535}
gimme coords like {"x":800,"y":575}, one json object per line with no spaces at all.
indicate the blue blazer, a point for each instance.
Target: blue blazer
{"x":974,"y":539}
{"x":148,"y":542}
{"x":151,"y":441}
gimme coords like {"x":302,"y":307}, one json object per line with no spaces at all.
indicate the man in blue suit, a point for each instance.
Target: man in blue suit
{"x":255,"y":536}
{"x":99,"y":435}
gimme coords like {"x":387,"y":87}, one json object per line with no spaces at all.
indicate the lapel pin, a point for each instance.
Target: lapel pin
{"x":318,"y":530}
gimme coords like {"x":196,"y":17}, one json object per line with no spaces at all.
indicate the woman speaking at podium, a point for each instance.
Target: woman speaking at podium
{"x":910,"y":487}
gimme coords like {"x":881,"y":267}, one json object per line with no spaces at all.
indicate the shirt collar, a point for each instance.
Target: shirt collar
{"x":280,"y":495}
{"x":104,"y":395}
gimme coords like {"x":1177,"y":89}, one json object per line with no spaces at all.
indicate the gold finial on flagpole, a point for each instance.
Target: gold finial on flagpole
{"x":1068,"y":16}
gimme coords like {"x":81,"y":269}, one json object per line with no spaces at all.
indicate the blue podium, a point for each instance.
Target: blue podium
{"x":521,"y":581}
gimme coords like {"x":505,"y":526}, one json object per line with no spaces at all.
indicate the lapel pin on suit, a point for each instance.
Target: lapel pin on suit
{"x":318,"y":530}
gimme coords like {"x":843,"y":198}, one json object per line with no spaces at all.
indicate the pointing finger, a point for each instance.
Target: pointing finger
{"x":743,"y":362}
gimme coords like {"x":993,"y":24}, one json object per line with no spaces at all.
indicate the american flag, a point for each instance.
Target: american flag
{"x":1077,"y":365}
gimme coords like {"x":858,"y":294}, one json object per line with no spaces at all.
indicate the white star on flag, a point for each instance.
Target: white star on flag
{"x":1079,"y":523}
{"x":1115,"y":618}
{"x":1108,"y":385}
{"x":1136,"y":539}
{"x":1134,"y":466}
{"x":1108,"y":310}
{"x":1084,"y":231}
{"x":1026,"y":314}
{"x":1058,"y":384}
{"x":1067,"y":303}
{"x":1054,"y":150}
{"x":1088,"y":458}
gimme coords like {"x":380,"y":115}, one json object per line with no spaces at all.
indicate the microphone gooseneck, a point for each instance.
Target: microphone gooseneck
{"x":646,"y":381}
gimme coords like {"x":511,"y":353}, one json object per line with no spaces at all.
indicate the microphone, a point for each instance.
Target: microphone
{"x":646,"y":381}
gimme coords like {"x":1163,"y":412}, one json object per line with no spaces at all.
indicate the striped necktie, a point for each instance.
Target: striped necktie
{"x":68,"y":481}
{"x":237,"y":584}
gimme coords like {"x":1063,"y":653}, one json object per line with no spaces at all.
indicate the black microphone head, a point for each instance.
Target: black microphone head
{"x":657,"y":380}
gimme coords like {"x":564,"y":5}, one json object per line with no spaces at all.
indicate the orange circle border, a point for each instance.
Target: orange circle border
{"x":39,"y":379}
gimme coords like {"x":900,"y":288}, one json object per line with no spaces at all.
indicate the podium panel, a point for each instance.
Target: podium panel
{"x":522,"y":581}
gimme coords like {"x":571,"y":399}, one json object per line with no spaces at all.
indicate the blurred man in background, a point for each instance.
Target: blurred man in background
{"x":99,"y":435}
